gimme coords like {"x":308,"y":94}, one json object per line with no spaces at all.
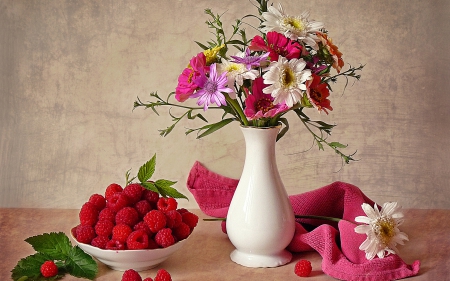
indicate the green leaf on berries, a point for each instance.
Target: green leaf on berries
{"x":146,"y":171}
{"x":150,"y":186}
{"x":165,"y":189}
{"x":80,"y":264}
{"x":56,"y":245}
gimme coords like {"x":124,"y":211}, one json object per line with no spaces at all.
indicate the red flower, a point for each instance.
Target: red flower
{"x":318,"y":93}
{"x":186,"y":81}
{"x":277,"y":45}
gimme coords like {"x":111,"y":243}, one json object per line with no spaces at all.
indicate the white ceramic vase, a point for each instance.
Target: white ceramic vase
{"x":260,"y":221}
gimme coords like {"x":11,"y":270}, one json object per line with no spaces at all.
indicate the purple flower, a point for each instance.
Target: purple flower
{"x":211,"y":88}
{"x":249,"y":61}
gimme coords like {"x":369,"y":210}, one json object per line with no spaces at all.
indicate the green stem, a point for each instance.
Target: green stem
{"x":234,"y":104}
{"x":318,"y":217}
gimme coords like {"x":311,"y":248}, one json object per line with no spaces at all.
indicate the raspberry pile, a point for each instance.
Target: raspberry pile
{"x":132,"y":218}
{"x":303,"y":268}
{"x":133,"y":275}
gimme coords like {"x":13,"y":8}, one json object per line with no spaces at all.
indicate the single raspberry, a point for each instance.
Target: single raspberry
{"x":303,"y":268}
{"x":182,"y":231}
{"x":173,"y":218}
{"x":167,"y":204}
{"x":127,"y":215}
{"x":112,"y":189}
{"x":137,"y":240}
{"x":88,"y":214}
{"x":182,"y":211}
{"x":49,"y":269}
{"x":155,"y":220}
{"x":85,"y":234}
{"x":131,"y":275}
{"x":143,"y":207}
{"x":142,"y":225}
{"x":100,"y":242}
{"x":148,"y":279}
{"x":121,"y":232}
{"x":104,"y":228}
{"x":164,"y":238}
{"x":133,"y":192}
{"x":107,"y":214}
{"x":190,"y":219}
{"x":151,"y":196}
{"x":163,"y":275}
{"x":115,"y":245}
{"x":98,"y":200}
{"x":117,"y":201}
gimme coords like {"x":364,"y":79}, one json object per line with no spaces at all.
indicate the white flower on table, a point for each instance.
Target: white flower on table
{"x":381,"y":228}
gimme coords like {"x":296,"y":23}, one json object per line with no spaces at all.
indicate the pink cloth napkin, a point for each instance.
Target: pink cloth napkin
{"x":214,"y":192}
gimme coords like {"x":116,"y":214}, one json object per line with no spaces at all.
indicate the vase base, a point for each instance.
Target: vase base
{"x":254,"y":260}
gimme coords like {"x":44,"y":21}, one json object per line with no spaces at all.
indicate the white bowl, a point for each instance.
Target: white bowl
{"x":138,"y":260}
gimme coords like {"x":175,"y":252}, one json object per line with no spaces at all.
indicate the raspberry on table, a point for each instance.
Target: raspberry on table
{"x":143,"y":207}
{"x":155,"y":220}
{"x":163,"y":275}
{"x":85,"y":234}
{"x":104,"y":227}
{"x":107,"y":214}
{"x":121,"y":232}
{"x":88,"y":214}
{"x":49,"y":269}
{"x":303,"y":268}
{"x":190,"y":219}
{"x":98,"y":200}
{"x":131,"y":275}
{"x":164,"y":238}
{"x":173,"y":219}
{"x":137,"y":240}
{"x":182,"y":231}
{"x":134,"y":192}
{"x":100,"y":242}
{"x":127,"y":215}
{"x":115,"y":245}
{"x":117,"y":201}
{"x":112,"y":189}
{"x":167,"y":204}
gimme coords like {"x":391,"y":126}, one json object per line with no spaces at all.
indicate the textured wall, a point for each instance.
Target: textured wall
{"x":71,"y":70}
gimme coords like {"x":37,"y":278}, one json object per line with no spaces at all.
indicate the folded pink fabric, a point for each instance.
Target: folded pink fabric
{"x":214,"y":192}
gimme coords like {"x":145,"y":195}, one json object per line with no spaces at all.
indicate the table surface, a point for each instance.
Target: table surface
{"x":205,"y":256}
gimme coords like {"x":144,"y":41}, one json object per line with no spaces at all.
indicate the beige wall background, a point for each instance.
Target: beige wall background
{"x":71,"y":70}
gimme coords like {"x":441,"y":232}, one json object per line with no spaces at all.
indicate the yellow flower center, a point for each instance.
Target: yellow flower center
{"x":232,"y":67}
{"x":287,"y":78}
{"x":294,"y":23}
{"x":384,"y":229}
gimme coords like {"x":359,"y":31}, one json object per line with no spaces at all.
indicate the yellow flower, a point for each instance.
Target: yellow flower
{"x":211,"y":54}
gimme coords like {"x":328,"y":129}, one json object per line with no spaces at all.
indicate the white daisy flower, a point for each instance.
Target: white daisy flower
{"x":237,"y":72}
{"x":286,"y":80}
{"x":381,"y":228}
{"x":293,"y":27}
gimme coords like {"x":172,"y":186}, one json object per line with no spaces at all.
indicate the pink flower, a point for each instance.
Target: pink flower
{"x":260,"y":105}
{"x":211,"y":88}
{"x":186,"y":81}
{"x":277,"y":45}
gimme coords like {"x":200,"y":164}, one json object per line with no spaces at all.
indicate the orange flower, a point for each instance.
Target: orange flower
{"x":333,"y":51}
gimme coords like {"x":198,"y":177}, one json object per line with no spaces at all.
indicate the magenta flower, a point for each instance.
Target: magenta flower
{"x":277,"y":45}
{"x":186,"y":81}
{"x":250,"y":61}
{"x":260,"y":105}
{"x":211,"y":88}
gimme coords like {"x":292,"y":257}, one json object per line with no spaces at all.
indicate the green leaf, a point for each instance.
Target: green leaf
{"x":80,"y":264}
{"x":165,"y":188}
{"x":336,"y":144}
{"x":56,"y":245}
{"x":320,"y":145}
{"x":146,"y":171}
{"x":150,"y":186}
{"x":284,"y":130}
{"x":214,"y":127}
{"x":201,"y":45}
{"x":29,"y":269}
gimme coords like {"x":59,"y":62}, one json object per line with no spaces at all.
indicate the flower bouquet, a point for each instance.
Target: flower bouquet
{"x":289,"y":65}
